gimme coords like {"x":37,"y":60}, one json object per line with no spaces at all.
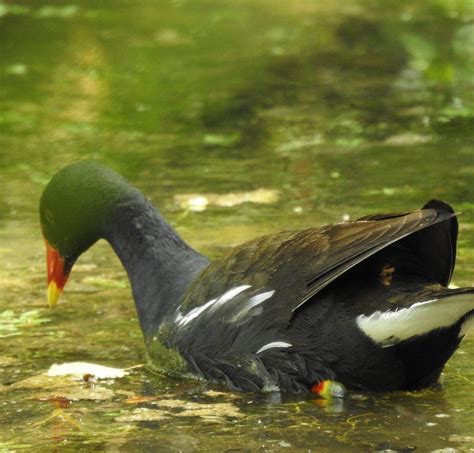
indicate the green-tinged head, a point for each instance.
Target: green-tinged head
{"x":73,"y":208}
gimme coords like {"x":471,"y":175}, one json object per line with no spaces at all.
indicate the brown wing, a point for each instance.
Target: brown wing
{"x":353,"y":243}
{"x":298,"y":264}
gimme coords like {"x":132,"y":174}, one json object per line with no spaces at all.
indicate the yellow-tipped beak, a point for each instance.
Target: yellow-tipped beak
{"x":56,"y":276}
{"x":53,"y":294}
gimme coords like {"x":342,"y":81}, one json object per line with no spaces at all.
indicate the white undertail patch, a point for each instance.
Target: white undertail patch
{"x":391,"y":327}
{"x":274,"y":344}
{"x":467,"y":326}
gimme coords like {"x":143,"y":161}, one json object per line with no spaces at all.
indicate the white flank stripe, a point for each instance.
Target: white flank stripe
{"x":252,"y":303}
{"x":274,"y":344}
{"x":391,"y":327}
{"x":212,"y":304}
{"x":229,"y":295}
{"x":194,"y":313}
{"x":259,"y":298}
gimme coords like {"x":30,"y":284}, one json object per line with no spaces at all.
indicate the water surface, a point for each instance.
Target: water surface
{"x":343,"y":109}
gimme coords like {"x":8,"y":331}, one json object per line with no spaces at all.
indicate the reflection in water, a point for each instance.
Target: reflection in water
{"x":341,"y":109}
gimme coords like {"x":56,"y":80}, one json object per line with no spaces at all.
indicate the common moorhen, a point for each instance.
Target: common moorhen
{"x":364,"y":303}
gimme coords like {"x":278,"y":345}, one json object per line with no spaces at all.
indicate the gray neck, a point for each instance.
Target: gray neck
{"x":159,"y":264}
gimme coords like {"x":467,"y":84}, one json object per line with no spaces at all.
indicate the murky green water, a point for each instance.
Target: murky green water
{"x":344,"y":108}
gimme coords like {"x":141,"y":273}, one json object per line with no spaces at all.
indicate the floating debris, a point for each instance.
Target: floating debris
{"x":73,"y":381}
{"x":60,"y":387}
{"x":81,"y":369}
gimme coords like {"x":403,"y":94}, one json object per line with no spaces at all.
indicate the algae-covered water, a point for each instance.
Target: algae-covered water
{"x":237,"y":118}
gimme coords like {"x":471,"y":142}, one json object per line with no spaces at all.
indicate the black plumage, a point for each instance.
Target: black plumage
{"x":286,"y":310}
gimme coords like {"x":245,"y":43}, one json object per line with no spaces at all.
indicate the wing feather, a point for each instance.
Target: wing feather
{"x":296,"y":265}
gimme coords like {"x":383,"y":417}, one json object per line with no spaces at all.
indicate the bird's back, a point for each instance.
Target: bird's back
{"x":282,"y":311}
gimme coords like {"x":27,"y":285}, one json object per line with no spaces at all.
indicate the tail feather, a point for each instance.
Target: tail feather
{"x":441,"y":311}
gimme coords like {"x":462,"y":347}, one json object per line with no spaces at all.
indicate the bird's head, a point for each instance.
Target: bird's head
{"x":73,"y":208}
